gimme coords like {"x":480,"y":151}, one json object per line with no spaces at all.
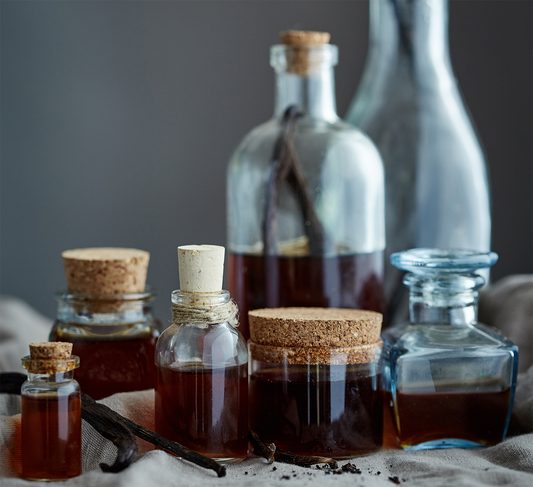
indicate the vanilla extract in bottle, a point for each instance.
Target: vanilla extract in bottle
{"x":305,"y":195}
{"x":201,"y":392}
{"x":449,"y":380}
{"x":315,"y":380}
{"x":106,"y":314}
{"x":50,"y":414}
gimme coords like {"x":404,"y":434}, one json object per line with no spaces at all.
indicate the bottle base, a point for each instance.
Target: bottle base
{"x":445,"y":443}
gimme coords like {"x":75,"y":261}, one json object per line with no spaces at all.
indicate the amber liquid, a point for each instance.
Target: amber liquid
{"x":204,"y":409}
{"x":333,"y":411}
{"x":347,"y":281}
{"x":51,"y":436}
{"x":113,"y":365}
{"x":479,"y":417}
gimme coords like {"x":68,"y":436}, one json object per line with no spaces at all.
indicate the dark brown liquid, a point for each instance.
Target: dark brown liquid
{"x":51,"y":436}
{"x":204,"y":409}
{"x":333,"y":411}
{"x":348,"y":281}
{"x":113,"y":365}
{"x":480,"y":417}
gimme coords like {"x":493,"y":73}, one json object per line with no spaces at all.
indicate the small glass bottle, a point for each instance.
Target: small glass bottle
{"x":305,"y":195}
{"x":51,"y":413}
{"x":315,"y":380}
{"x":409,"y":104}
{"x":107,"y":315}
{"x":201,"y":396}
{"x":449,"y":381}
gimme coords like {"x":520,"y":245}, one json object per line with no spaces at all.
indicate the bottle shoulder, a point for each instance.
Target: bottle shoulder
{"x":213,"y":345}
{"x":434,"y":338}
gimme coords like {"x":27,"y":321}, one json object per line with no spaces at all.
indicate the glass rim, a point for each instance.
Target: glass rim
{"x":424,"y":260}
{"x":148,"y":294}
{"x":67,"y":364}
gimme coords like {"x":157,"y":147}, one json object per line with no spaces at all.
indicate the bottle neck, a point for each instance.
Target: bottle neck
{"x":411,"y":33}
{"x":445,"y":299}
{"x":314,"y":93}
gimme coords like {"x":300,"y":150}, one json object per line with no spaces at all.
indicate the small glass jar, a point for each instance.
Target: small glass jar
{"x":321,"y":400}
{"x":51,"y":420}
{"x":449,"y":381}
{"x":201,"y":393}
{"x":114,"y":335}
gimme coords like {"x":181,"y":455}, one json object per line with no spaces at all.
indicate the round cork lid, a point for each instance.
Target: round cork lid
{"x":50,"y":350}
{"x":314,"y":327}
{"x":106,"y":270}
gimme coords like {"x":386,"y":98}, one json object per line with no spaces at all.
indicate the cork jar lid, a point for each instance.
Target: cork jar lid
{"x":106,"y":270}
{"x":314,"y":327}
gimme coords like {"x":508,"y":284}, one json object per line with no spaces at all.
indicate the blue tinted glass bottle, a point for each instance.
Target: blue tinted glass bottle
{"x":450,"y":381}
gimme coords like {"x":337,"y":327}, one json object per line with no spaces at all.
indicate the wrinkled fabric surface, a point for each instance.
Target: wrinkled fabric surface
{"x":509,"y":463}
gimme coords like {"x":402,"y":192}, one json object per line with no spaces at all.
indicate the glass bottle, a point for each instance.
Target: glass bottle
{"x":107,"y":315}
{"x":305,"y":195}
{"x":50,"y":414}
{"x":409,"y":104}
{"x":450,"y":381}
{"x":201,"y":395}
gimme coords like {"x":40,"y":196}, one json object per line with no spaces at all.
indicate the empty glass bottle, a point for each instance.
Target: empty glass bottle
{"x":449,"y":381}
{"x":305,"y":195}
{"x":409,"y":104}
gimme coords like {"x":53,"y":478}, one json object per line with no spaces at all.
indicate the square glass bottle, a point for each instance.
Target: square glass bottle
{"x":449,"y":381}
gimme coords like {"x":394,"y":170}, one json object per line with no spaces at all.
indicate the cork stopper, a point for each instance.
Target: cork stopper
{"x":106,"y":270}
{"x":50,"y":358}
{"x":304,"y":38}
{"x":50,"y":350}
{"x":317,"y":330}
{"x":302,"y":59}
{"x":201,"y":268}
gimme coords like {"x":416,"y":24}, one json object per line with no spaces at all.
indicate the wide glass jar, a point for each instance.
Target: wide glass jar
{"x":449,"y":380}
{"x":320,"y":400}
{"x":305,"y":195}
{"x":114,"y":336}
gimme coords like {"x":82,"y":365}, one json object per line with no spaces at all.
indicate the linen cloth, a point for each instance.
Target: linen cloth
{"x":509,"y":463}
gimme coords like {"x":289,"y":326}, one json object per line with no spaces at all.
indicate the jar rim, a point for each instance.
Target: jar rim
{"x":149,"y":294}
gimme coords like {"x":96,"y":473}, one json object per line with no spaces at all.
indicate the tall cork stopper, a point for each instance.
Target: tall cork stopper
{"x":325,"y":334}
{"x":50,"y":358}
{"x":201,"y":268}
{"x":300,"y":59}
{"x":106,"y":270}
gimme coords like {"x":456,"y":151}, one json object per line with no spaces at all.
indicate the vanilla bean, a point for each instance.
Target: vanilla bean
{"x":273,"y":454}
{"x":120,"y":430}
{"x":287,"y":168}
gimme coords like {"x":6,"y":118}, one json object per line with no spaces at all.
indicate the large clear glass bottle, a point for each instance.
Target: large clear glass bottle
{"x":449,"y":381}
{"x":305,"y":195}
{"x":201,"y":395}
{"x":409,"y":103}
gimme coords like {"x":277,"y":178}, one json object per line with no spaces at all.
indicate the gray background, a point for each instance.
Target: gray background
{"x":118,"y":118}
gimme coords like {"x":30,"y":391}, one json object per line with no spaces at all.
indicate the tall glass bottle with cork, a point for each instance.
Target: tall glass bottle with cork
{"x":409,"y":104}
{"x":305,"y":195}
{"x":201,"y":396}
